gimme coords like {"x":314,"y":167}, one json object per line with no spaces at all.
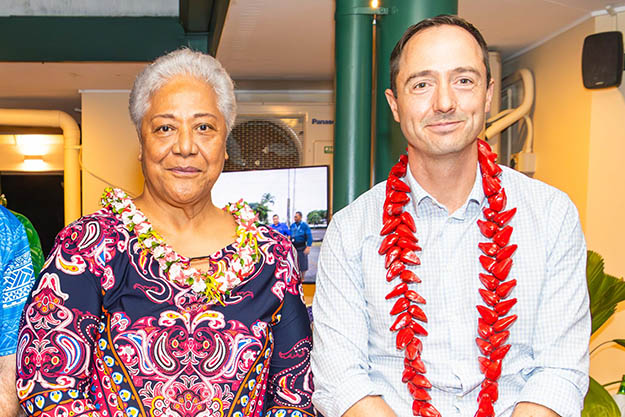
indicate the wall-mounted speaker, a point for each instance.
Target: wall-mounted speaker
{"x":602,"y":60}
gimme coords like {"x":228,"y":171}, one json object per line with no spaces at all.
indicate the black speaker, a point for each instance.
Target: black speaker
{"x":602,"y":60}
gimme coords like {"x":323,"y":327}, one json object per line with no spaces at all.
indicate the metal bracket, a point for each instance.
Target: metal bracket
{"x":369,"y":10}
{"x":363,"y":11}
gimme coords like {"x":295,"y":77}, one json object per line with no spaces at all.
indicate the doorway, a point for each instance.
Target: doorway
{"x":39,"y":197}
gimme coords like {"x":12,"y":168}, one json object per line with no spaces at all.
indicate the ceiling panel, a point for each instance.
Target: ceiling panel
{"x":280,"y":40}
{"x":283,"y":39}
{"x":512,"y":25}
{"x":59,"y":79}
{"x":89,"y":8}
{"x":293,"y":39}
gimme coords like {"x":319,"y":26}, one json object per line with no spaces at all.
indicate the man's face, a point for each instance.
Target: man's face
{"x":276,"y":220}
{"x":297,"y":217}
{"x":442,"y":93}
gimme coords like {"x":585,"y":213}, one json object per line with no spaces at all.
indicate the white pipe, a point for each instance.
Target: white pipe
{"x":499,"y":115}
{"x":71,"y":134}
{"x":524,"y":108}
{"x":528,"y":146}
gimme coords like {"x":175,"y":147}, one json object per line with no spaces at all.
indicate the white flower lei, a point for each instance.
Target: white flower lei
{"x":216,"y":286}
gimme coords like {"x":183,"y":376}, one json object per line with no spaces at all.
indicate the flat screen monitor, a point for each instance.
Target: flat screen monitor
{"x":283,"y":192}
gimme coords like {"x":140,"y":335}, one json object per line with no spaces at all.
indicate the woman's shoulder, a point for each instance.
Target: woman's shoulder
{"x":271,"y":235}
{"x":89,"y":231}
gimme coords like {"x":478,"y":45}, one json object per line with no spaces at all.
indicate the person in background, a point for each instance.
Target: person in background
{"x":36,"y":253}
{"x":17,"y":279}
{"x":280,"y":227}
{"x":457,"y":287}
{"x":165,"y":304}
{"x":301,"y":236}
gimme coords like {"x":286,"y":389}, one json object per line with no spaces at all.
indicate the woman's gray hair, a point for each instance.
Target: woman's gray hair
{"x":183,"y":62}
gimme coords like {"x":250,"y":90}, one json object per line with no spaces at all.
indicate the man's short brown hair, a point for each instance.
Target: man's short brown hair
{"x":441,"y":20}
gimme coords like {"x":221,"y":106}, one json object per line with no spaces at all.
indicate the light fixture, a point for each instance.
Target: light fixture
{"x":35,"y":145}
{"x":35,"y":148}
{"x":34,"y":163}
{"x":375,"y":4}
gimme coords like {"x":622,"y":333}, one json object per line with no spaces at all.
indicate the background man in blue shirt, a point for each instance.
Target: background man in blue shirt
{"x":280,"y":227}
{"x":301,"y":236}
{"x":16,"y":280}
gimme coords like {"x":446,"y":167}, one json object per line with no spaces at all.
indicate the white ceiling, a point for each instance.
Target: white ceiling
{"x":285,"y":39}
{"x":268,"y":40}
{"x":512,"y":25}
{"x":294,"y":39}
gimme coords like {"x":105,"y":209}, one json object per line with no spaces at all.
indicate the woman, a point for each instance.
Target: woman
{"x":167,"y":305}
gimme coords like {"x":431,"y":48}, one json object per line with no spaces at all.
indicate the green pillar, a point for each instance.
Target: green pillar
{"x":389,"y":141}
{"x":352,"y":128}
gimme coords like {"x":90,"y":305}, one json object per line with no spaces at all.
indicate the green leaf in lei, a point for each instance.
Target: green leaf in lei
{"x":36,"y":253}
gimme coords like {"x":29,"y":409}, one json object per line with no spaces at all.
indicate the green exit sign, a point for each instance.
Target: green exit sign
{"x":328,"y":149}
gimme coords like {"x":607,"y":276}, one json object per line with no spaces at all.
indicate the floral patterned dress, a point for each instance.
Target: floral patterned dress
{"x":104,"y":333}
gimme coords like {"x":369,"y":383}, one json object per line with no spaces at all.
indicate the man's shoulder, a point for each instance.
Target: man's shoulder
{"x":544,"y":202}
{"x":518,"y":183}
{"x":367,"y":205}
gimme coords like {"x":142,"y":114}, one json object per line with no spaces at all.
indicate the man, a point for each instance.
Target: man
{"x":280,"y":227}
{"x":301,"y":236}
{"x":17,"y":280}
{"x":493,"y":318}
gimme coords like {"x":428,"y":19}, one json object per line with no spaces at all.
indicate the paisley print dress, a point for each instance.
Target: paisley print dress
{"x":104,"y":333}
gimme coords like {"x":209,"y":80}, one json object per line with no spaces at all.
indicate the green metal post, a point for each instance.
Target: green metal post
{"x":352,"y":128}
{"x":389,"y":141}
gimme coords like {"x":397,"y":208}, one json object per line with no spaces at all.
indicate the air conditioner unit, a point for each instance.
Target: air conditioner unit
{"x":273,"y":132}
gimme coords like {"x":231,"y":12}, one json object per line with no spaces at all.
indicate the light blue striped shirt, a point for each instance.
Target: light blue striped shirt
{"x":354,"y":353}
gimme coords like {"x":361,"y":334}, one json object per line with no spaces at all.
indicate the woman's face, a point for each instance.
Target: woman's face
{"x":183,"y":142}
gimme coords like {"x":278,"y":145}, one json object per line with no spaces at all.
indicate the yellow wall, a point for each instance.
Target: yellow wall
{"x":110,"y":147}
{"x":561,"y":112}
{"x":605,"y":224}
{"x":606,"y":179}
{"x":580,"y":149}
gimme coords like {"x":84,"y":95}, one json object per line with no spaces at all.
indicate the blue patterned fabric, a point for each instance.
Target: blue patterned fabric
{"x":17,"y":278}
{"x":355,"y":354}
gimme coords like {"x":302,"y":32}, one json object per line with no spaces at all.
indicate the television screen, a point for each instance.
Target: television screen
{"x":282,"y":192}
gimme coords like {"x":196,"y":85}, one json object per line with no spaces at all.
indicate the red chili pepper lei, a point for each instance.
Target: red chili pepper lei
{"x":485,"y":347}
{"x":388,"y":242}
{"x":409,"y":276}
{"x":490,"y":282}
{"x":399,"y":249}
{"x":398,"y":290}
{"x":489,"y":248}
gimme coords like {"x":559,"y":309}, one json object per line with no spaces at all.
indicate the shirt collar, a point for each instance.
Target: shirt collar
{"x":474,"y":201}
